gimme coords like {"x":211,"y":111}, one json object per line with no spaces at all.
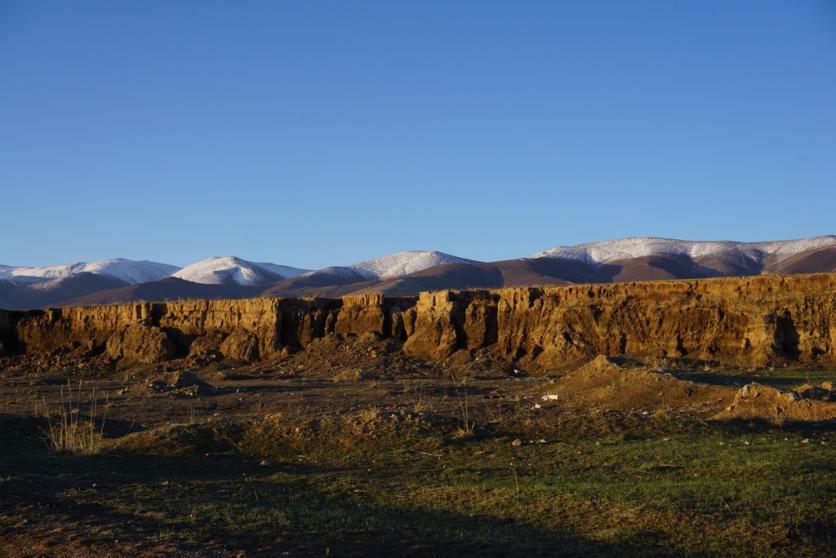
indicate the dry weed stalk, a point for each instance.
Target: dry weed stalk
{"x":468,"y":426}
{"x":67,"y":431}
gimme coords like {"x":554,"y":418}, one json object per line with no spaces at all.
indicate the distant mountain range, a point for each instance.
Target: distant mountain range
{"x":409,"y":272}
{"x":129,"y":271}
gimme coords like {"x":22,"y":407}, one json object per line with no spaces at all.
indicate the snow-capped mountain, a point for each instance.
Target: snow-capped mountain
{"x":406,"y":262}
{"x":130,"y":271}
{"x":229,"y":270}
{"x":389,"y":266}
{"x":637,"y":247}
{"x":410,"y":272}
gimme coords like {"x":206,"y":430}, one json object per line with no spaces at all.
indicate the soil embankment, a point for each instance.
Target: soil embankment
{"x":746,"y":322}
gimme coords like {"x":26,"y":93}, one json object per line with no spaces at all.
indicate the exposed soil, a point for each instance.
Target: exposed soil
{"x":352,"y":447}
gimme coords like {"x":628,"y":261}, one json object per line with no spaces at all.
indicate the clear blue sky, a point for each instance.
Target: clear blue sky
{"x":312,"y":133}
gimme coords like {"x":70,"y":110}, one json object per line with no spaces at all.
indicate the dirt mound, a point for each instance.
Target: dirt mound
{"x":284,"y":434}
{"x":600,"y":366}
{"x":178,"y":439}
{"x":605,"y":384}
{"x":759,"y":402}
{"x":354,"y":357}
{"x":367,"y":422}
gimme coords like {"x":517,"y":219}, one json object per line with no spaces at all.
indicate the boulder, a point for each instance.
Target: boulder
{"x":240,"y":345}
{"x":141,"y":344}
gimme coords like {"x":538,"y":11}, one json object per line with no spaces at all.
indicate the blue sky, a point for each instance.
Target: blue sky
{"x":315,"y":133}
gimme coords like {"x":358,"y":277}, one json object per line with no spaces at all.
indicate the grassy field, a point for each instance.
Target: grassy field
{"x":304,"y":485}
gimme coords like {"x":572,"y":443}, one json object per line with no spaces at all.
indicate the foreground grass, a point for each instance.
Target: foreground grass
{"x":720,"y":492}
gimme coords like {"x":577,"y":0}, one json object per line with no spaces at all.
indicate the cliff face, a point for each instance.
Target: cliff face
{"x":750,"y":321}
{"x":746,"y":322}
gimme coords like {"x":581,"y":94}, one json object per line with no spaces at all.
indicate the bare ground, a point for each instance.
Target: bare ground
{"x":351,"y":448}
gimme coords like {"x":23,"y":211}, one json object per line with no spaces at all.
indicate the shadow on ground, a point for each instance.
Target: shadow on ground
{"x":221,"y":505}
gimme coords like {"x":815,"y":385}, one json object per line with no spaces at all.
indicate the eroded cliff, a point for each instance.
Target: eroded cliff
{"x":752,"y":321}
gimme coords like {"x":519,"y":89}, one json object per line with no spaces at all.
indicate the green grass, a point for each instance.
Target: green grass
{"x":699,"y":494}
{"x":355,"y":483}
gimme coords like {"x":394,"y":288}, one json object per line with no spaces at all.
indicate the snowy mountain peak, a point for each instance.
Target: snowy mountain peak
{"x":406,"y":262}
{"x":228,"y":270}
{"x":636,"y":247}
{"x":130,"y":271}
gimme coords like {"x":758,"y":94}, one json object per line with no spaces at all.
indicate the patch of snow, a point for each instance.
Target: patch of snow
{"x":406,"y":262}
{"x":783,"y":249}
{"x":50,"y":284}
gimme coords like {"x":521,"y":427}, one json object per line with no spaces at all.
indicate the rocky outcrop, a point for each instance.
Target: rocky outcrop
{"x":746,"y":322}
{"x":140,"y":343}
{"x":374,"y":313}
{"x":752,"y":321}
{"x":188,"y":319}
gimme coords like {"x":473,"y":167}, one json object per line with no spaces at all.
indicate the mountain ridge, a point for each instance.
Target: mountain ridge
{"x":130,"y":271}
{"x":411,"y":271}
{"x":637,"y":246}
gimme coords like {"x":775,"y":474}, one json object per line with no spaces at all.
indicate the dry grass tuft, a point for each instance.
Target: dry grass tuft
{"x":467,"y":426}
{"x":67,"y":431}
